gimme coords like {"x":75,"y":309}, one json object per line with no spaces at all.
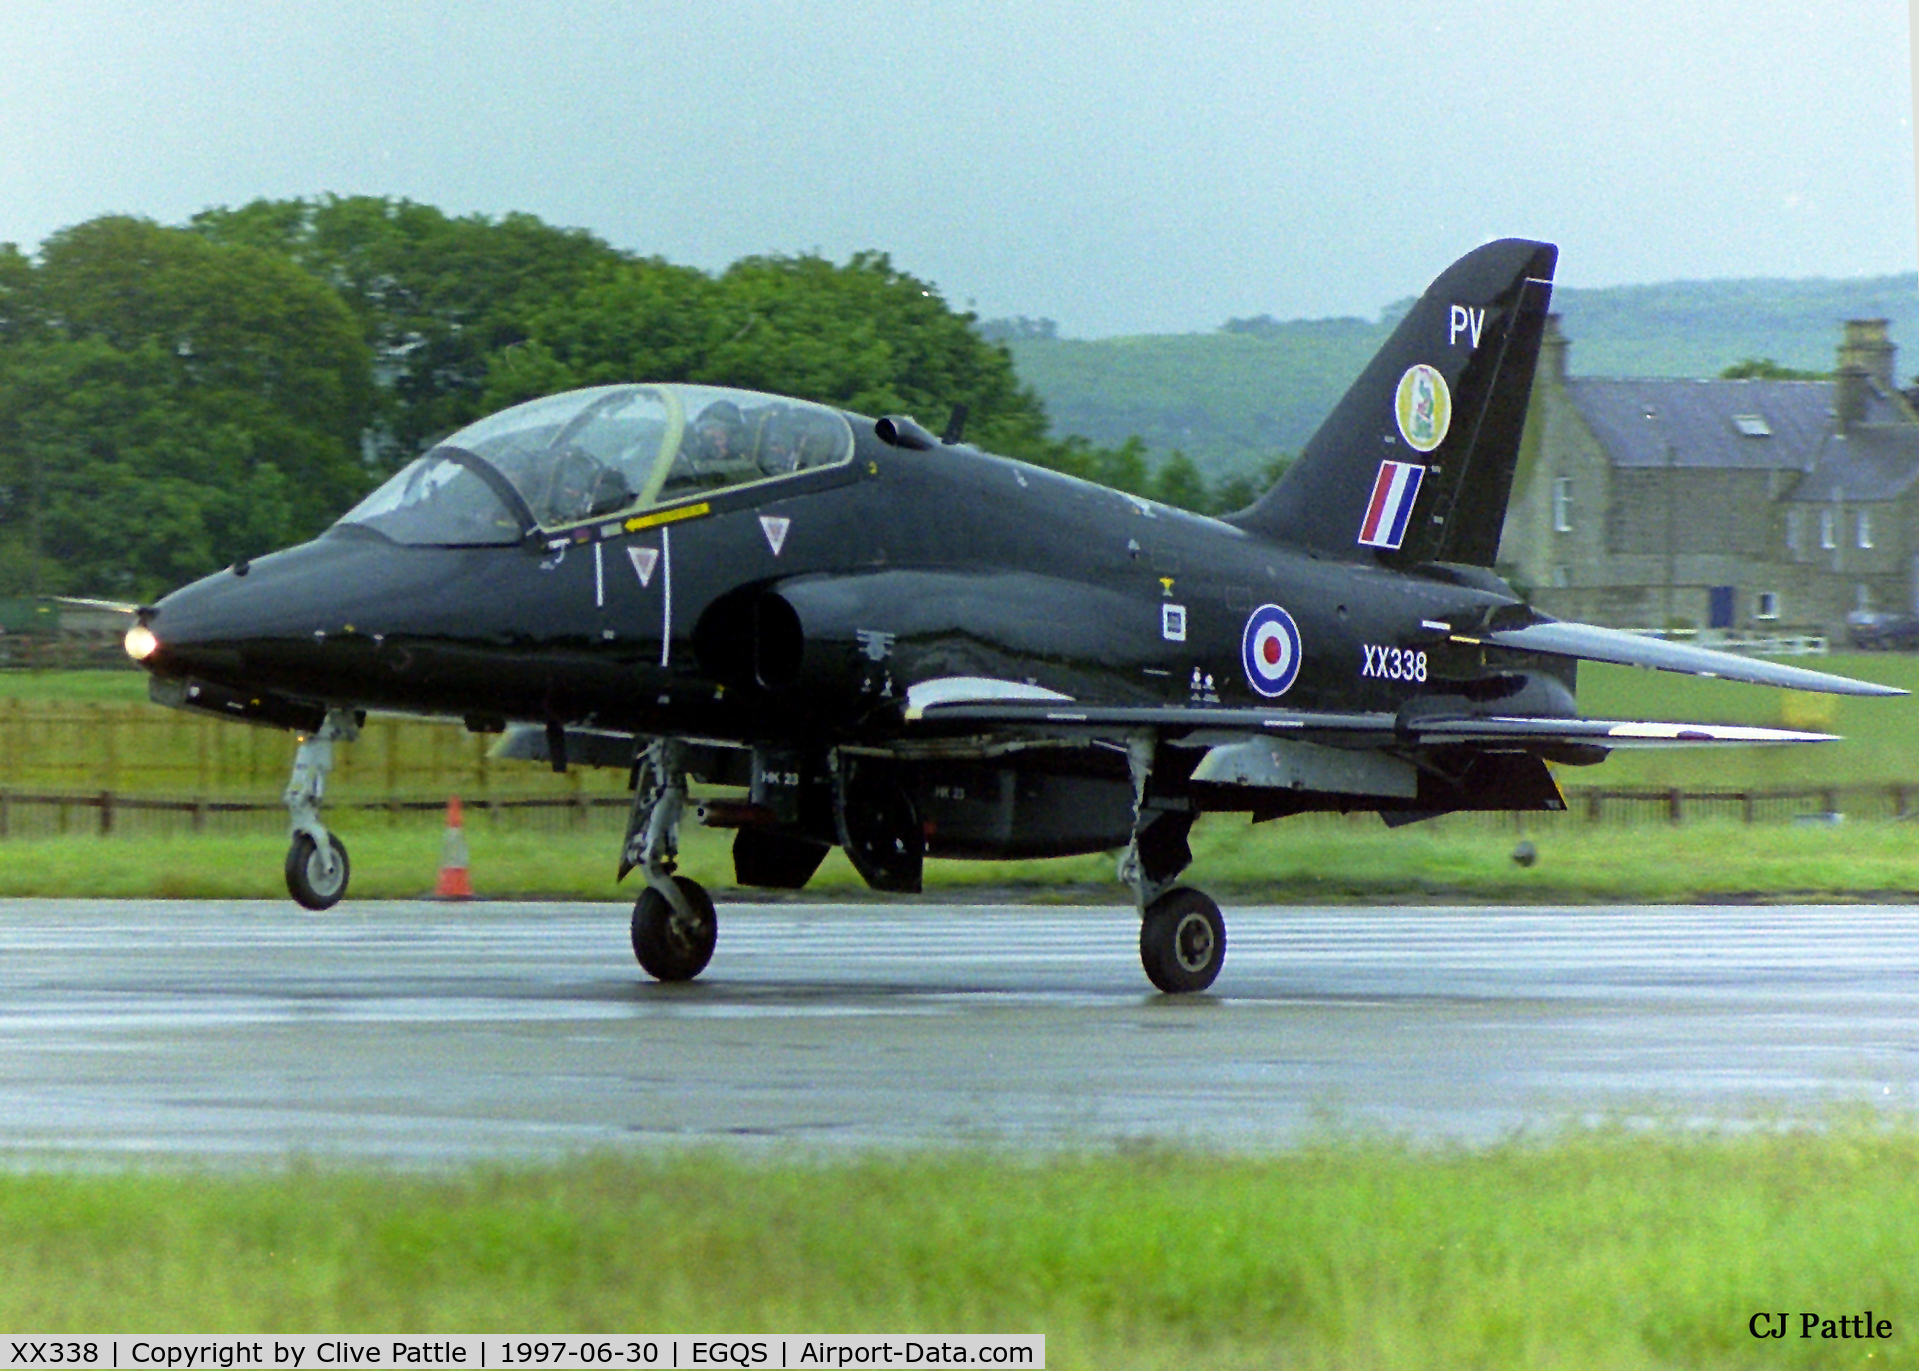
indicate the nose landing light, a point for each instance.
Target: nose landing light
{"x":140,"y":642}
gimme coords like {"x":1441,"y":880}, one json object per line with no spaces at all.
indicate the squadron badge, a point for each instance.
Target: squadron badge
{"x":1424,"y":408}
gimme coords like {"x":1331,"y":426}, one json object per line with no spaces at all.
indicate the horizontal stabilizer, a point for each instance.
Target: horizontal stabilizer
{"x":1593,"y":644}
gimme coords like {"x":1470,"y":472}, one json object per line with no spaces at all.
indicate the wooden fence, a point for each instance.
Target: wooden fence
{"x":50,"y":813}
{"x":106,"y":813}
{"x":142,"y":749}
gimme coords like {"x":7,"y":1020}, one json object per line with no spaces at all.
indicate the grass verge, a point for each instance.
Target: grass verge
{"x":1597,"y":1248}
{"x":1295,"y":861}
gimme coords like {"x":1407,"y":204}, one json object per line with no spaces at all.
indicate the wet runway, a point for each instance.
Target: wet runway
{"x":423,"y":1032}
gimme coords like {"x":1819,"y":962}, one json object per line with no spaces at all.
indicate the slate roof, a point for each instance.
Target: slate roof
{"x":1695,"y":425}
{"x":1658,"y":423}
{"x":1867,"y":463}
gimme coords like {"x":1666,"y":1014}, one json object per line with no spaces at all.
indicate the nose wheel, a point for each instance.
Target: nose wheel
{"x":317,"y":877}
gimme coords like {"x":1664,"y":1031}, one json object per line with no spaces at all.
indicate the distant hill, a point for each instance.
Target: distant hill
{"x":1232,"y":398}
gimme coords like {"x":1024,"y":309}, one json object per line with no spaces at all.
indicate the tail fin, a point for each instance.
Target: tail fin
{"x":1416,"y":463}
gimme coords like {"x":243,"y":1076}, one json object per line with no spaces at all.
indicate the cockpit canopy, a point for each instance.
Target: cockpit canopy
{"x":589,"y":455}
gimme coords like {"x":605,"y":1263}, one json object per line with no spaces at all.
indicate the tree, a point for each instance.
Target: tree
{"x":437,"y":297}
{"x":168,"y":405}
{"x":1765,"y":369}
{"x":863,"y":335}
{"x":1179,"y":484}
{"x":644,"y":320}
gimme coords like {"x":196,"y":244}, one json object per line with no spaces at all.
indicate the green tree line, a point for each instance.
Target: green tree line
{"x":173,"y":399}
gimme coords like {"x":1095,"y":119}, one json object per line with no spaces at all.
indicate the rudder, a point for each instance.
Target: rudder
{"x":1415,"y":463}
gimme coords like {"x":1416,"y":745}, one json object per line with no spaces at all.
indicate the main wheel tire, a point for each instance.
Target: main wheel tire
{"x":308,"y":879}
{"x":1182,"y":941}
{"x":667,"y":950}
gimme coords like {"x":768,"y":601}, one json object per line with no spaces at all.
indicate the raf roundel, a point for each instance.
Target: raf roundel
{"x":1270,"y":650}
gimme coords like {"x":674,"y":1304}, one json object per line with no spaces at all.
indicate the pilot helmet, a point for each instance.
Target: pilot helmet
{"x":721,"y":429}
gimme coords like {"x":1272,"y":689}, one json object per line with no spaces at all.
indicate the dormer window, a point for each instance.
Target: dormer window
{"x":1752,"y":425}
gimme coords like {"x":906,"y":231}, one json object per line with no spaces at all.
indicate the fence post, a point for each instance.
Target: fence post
{"x":1830,"y":798}
{"x":6,"y":813}
{"x":1745,"y":797}
{"x":105,"y":719}
{"x":106,"y":813}
{"x":390,"y":735}
{"x":1899,"y":802}
{"x":1594,"y":805}
{"x":1675,"y":808}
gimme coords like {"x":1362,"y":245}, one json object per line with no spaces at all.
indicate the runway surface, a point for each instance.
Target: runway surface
{"x":426,"y":1032}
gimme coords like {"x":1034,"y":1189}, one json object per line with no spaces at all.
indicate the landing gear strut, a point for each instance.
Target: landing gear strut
{"x":317,"y":867}
{"x":674,"y":924}
{"x":1182,"y":938}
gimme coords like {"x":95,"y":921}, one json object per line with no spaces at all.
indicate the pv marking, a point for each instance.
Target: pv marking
{"x":1270,"y":650}
{"x":1390,"y":507}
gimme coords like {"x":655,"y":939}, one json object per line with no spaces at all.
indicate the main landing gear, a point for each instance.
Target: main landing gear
{"x":674,"y":924}
{"x":317,"y":868}
{"x":1182,"y":937}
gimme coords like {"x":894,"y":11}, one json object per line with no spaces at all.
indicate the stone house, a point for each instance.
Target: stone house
{"x":1758,"y":507}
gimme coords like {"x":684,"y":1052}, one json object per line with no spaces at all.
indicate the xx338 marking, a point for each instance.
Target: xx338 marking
{"x":1393,"y":663}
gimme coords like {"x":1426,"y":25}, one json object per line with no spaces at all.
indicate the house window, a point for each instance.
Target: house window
{"x":1768,"y":607}
{"x":1563,"y":504}
{"x":1828,"y":529}
{"x":1792,"y":530}
{"x":1865,"y":529}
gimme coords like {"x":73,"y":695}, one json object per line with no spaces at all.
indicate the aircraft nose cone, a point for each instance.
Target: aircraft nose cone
{"x":221,"y":626}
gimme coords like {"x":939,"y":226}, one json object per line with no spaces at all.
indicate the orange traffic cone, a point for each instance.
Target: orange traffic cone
{"x":454,"y":882}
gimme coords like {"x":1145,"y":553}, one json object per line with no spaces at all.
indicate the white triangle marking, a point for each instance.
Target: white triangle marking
{"x":644,"y":560}
{"x":775,"y":526}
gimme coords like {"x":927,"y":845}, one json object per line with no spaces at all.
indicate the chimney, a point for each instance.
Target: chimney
{"x":1553,"y":346}
{"x":1849,"y":391}
{"x":1866,"y":346}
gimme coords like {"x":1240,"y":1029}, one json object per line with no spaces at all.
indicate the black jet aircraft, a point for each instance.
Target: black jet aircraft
{"x":907,"y":647}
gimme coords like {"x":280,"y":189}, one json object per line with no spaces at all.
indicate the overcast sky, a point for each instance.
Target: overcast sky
{"x":1121,"y":166}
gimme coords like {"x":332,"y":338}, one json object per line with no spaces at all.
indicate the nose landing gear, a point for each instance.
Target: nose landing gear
{"x":317,"y":868}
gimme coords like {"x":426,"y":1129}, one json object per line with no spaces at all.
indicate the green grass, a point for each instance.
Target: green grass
{"x":1881,"y":736}
{"x":1600,"y":1248}
{"x":75,"y":687}
{"x":1297,"y":861}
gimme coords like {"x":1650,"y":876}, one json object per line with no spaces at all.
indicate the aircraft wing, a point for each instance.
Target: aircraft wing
{"x":1065,"y":717}
{"x":1590,"y":643}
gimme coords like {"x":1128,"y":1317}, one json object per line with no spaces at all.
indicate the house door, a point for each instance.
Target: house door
{"x":1719,"y":607}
